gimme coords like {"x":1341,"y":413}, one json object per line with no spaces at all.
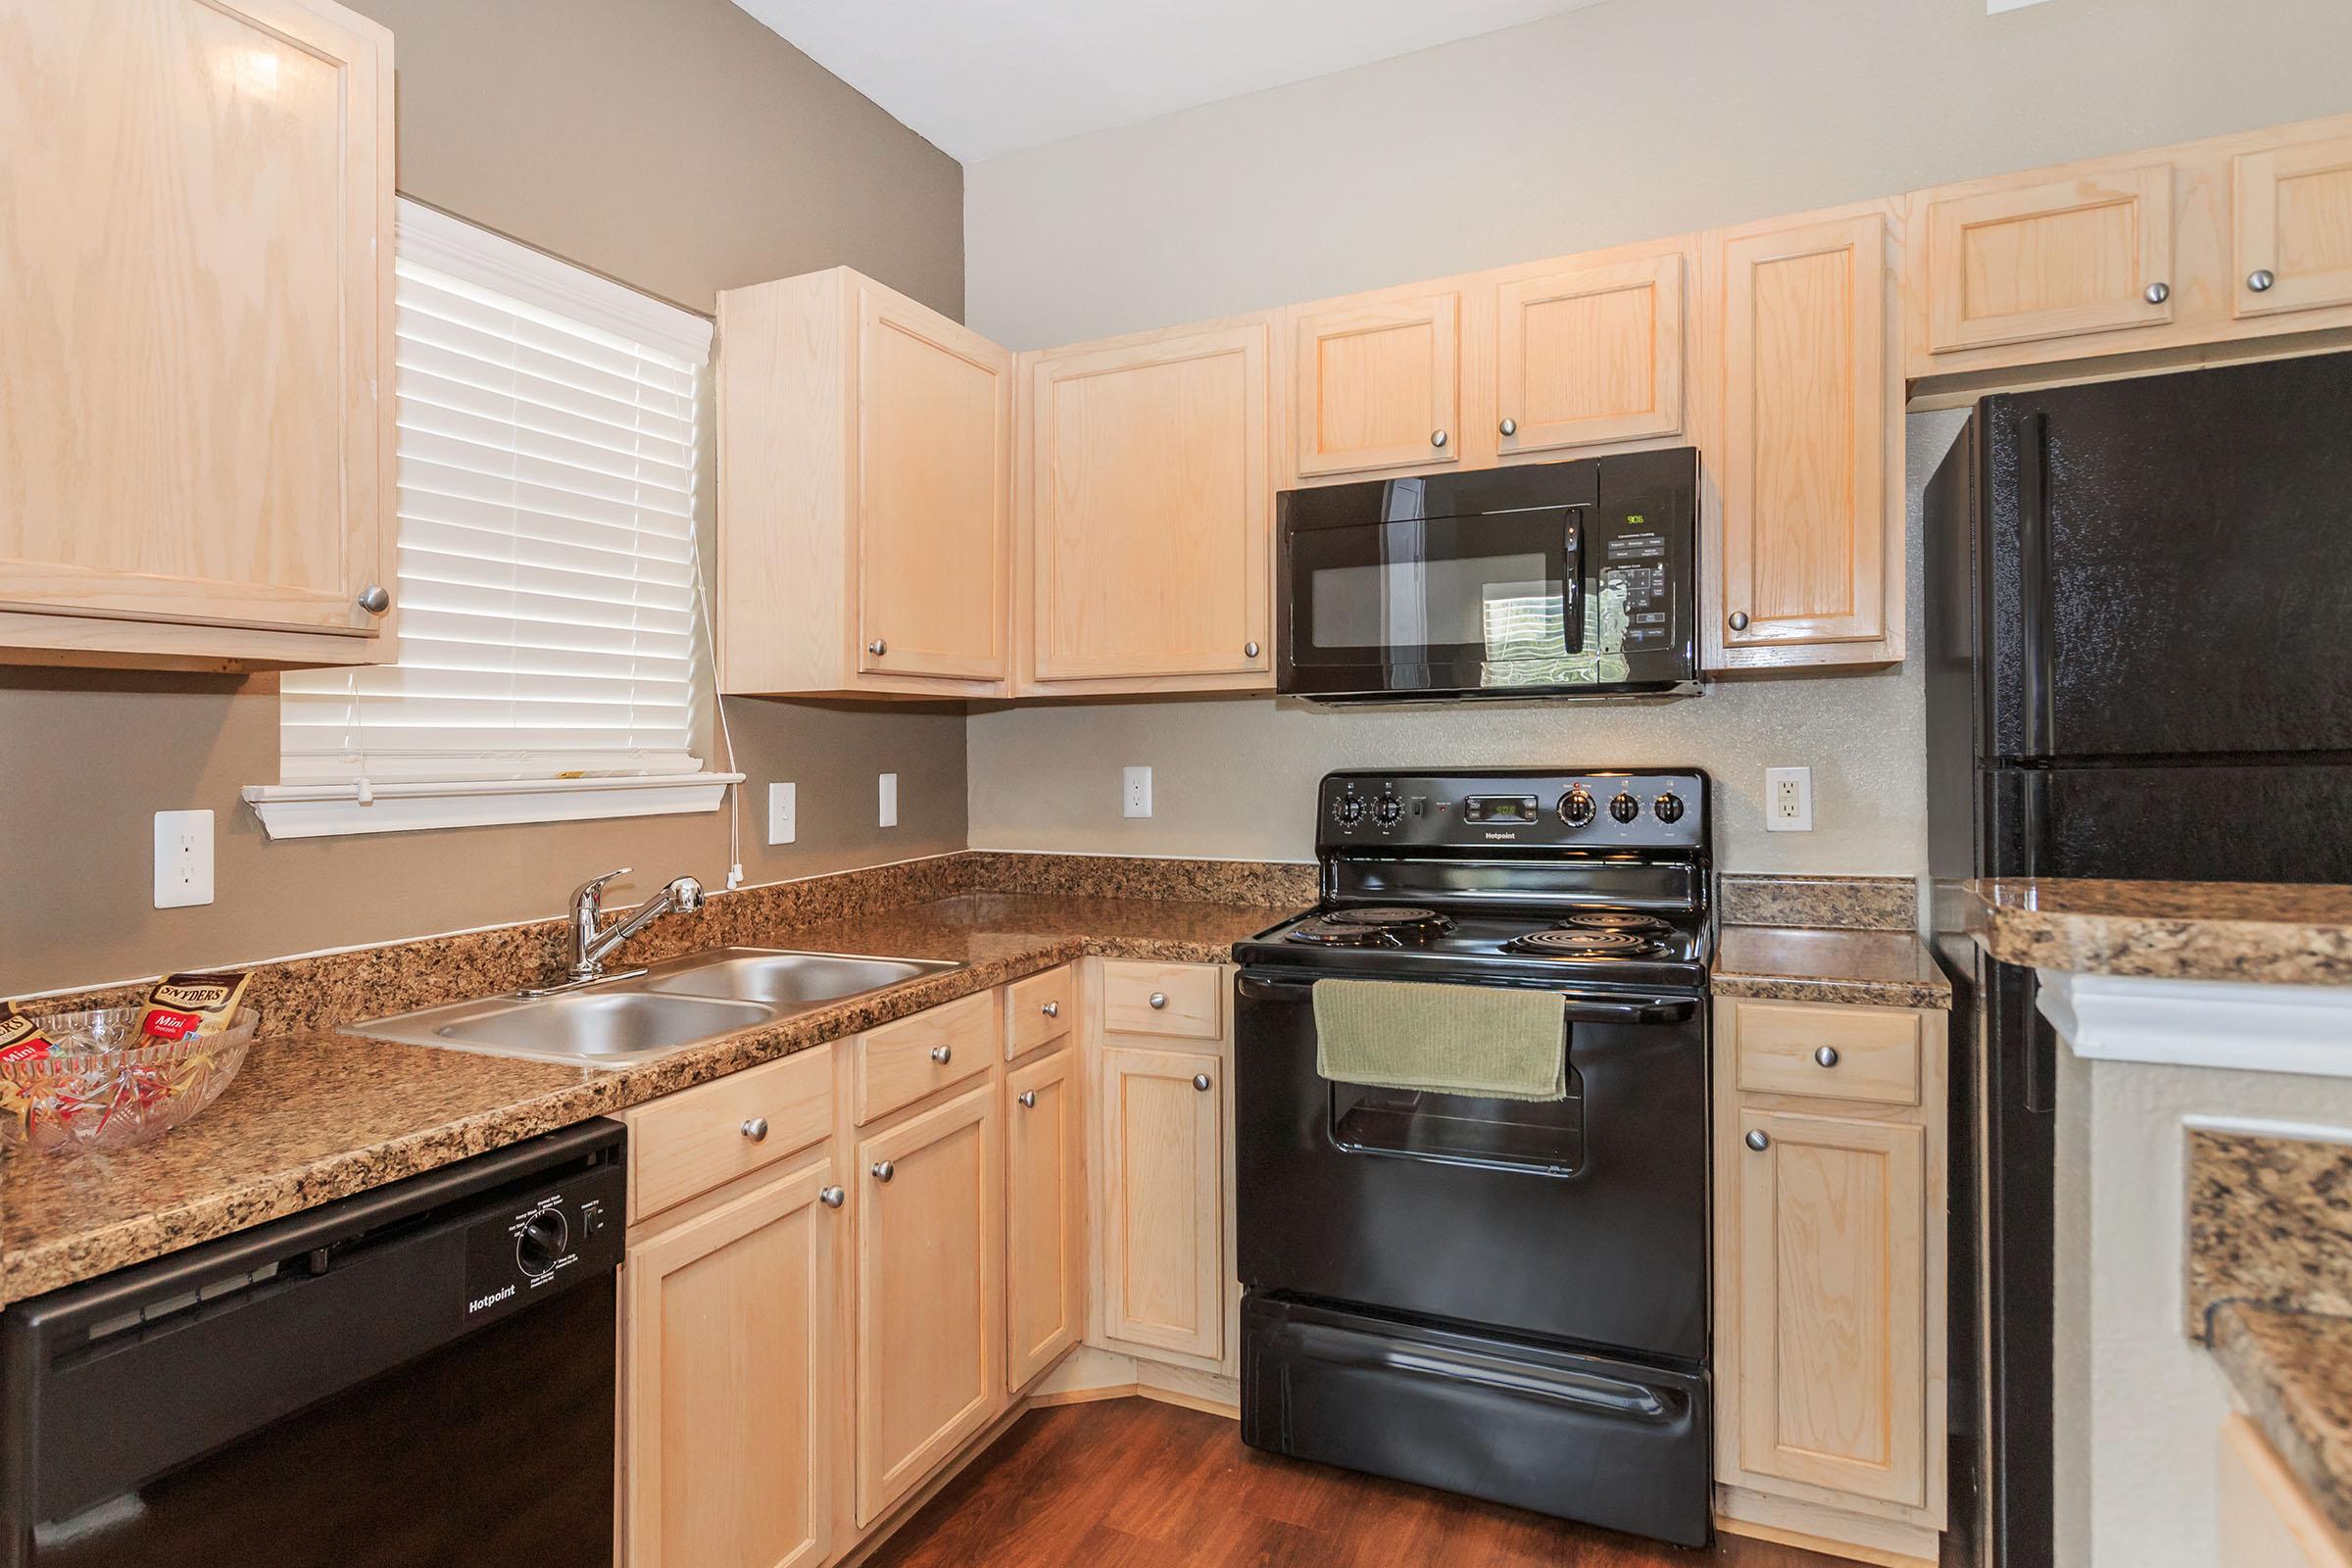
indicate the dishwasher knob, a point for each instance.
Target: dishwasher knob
{"x":543,"y":1240}
{"x":1624,"y":808}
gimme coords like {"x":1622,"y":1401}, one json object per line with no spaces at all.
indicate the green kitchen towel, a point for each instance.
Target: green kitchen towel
{"x":1485,"y":1041}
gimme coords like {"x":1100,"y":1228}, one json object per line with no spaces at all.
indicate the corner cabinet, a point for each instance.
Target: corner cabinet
{"x":1803,"y":449}
{"x":1830,"y":1273}
{"x":197,"y":387}
{"x":865,"y":494}
{"x":1147,"y":511}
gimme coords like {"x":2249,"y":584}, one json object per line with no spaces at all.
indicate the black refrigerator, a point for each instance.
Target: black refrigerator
{"x":2139,"y":666}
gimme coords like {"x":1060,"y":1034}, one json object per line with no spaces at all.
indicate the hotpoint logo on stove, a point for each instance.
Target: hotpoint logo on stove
{"x":1503,"y":836}
{"x":492,"y":1299}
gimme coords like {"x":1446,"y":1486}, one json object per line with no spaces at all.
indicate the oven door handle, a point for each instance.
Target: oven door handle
{"x":1578,"y":1009}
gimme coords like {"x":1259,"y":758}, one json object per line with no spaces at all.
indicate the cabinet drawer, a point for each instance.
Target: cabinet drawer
{"x":900,"y":1063}
{"x":1829,"y":1053}
{"x":1183,"y":1000}
{"x":1040,"y":1010}
{"x":688,"y":1143}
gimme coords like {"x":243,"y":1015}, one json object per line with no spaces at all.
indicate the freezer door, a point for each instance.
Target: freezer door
{"x":2280,"y":823}
{"x":2170,"y":565}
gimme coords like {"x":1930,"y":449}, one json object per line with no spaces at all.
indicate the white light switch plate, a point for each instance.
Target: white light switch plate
{"x":889,"y":800}
{"x":1136,"y":799}
{"x":1788,"y":800}
{"x":783,"y":812}
{"x":184,"y":858}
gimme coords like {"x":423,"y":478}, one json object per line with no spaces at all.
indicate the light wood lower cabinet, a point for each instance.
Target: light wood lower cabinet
{"x":196,"y":387}
{"x":1045,"y":1224}
{"x":730,"y":1346}
{"x":1161,"y":1234}
{"x":930,"y":1280}
{"x":1830,"y":1271}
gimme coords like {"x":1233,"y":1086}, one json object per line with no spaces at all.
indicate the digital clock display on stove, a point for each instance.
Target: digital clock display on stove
{"x":1499,"y":808}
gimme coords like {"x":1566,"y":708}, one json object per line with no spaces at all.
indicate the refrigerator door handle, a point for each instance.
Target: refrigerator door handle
{"x":2034,"y":573}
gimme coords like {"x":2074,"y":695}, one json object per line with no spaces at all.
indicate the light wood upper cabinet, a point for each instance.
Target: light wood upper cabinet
{"x":1806,"y":449}
{"x":930,"y":1283}
{"x":2041,"y":257}
{"x":1045,"y":1201}
{"x":1833,"y":1327}
{"x":1146,"y":505}
{"x":1589,"y":354}
{"x":1159,"y":1244}
{"x":197,"y":306}
{"x":730,"y":1335}
{"x":865,"y":493}
{"x":1377,"y":383}
{"x":2292,"y":242}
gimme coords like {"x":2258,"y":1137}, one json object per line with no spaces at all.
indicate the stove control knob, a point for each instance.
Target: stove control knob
{"x":1668,"y":807}
{"x":1624,"y":808}
{"x":543,"y":1240}
{"x":1347,"y":811}
{"x":1576,"y":808}
{"x":1388,"y":810}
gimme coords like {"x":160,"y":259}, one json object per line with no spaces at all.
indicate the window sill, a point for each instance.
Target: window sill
{"x":326,"y":810}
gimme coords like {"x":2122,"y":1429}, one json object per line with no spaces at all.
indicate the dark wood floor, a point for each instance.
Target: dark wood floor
{"x":1131,"y":1484}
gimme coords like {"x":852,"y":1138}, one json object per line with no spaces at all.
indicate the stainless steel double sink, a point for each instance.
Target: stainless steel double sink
{"x":633,"y":1018}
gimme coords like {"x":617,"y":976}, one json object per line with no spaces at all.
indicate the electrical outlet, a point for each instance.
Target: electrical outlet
{"x":184,"y":858}
{"x":1136,"y":799}
{"x":889,"y":800}
{"x":783,"y":812}
{"x":1788,"y":800}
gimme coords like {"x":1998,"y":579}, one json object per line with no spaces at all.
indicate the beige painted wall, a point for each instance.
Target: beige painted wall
{"x":681,"y":147}
{"x":1624,"y":121}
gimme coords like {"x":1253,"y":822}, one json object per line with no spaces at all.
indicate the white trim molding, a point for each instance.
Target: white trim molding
{"x":2202,"y":1023}
{"x":326,"y":810}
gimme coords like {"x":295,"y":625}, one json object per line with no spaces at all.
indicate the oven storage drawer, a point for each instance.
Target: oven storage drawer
{"x":1612,"y":1443}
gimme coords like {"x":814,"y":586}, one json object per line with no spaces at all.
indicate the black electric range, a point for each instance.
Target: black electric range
{"x":1506,"y":1299}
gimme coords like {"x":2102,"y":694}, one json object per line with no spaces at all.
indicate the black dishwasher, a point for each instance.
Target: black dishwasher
{"x":422,"y":1374}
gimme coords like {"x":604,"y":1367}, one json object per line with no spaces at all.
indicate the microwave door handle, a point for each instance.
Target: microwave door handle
{"x":1572,"y":582}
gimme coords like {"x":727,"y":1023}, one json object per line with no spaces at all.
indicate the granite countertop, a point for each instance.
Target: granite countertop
{"x":2294,"y":1371}
{"x":2279,"y":934}
{"x":319,"y":1115}
{"x":1790,"y":963}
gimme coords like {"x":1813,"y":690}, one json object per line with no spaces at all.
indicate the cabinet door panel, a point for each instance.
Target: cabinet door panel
{"x":1378,"y":384}
{"x":1162,"y":1249}
{"x":1591,"y":355}
{"x":2051,"y":259}
{"x":1804,"y":444}
{"x":1045,"y":1287}
{"x":1150,"y":511}
{"x":2294,"y":221}
{"x":930,"y":1276}
{"x":1833,"y":1327}
{"x":730,"y":1335}
{"x":935,"y":494}
{"x":197,"y":310}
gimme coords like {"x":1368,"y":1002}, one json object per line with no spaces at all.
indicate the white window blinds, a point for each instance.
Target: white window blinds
{"x":547,"y":583}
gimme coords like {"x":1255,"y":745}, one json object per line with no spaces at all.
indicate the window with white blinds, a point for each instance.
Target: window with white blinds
{"x":548,"y":591}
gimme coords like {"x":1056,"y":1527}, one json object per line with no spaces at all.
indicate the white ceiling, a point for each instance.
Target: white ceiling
{"x":979,"y":78}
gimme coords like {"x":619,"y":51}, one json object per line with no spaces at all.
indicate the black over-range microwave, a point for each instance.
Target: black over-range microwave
{"x":1557,"y":579}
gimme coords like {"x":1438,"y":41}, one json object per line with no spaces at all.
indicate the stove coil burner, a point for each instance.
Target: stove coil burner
{"x":1608,"y":920}
{"x":1378,"y":925}
{"x":1564,"y":943}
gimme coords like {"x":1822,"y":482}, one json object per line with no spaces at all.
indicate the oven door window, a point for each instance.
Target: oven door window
{"x":1495,"y":600}
{"x":1543,"y":1136}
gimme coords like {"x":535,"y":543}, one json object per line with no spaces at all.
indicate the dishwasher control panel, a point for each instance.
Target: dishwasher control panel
{"x":542,"y":1237}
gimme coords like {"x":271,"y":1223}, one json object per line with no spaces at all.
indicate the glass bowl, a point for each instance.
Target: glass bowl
{"x":102,"y":1087}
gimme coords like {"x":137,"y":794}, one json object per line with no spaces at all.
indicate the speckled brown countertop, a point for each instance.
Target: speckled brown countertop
{"x":2280,"y":934}
{"x":316,"y":1116}
{"x":1786,"y":963}
{"x":2294,"y":1371}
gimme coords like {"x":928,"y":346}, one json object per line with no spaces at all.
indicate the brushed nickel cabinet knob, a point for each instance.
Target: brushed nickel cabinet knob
{"x":2261,"y":279}
{"x":1827,"y":1055}
{"x":2157,"y":293}
{"x":1051,"y":1009}
{"x":1508,"y":428}
{"x":1159,"y":1000}
{"x":374,"y":599}
{"x":832,"y":1198}
{"x":942,"y":1053}
{"x":1249,"y":649}
{"x":1201,"y":1082}
{"x":1739,"y":620}
{"x":883,"y":1170}
{"x":877,"y":648}
{"x":1028,"y":1098}
{"x":1437,"y":438}
{"x":1759,"y":1139}
{"x":755,"y":1129}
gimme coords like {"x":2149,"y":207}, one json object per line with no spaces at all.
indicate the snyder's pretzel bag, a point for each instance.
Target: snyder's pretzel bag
{"x":182,"y":1005}
{"x":21,"y":1039}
